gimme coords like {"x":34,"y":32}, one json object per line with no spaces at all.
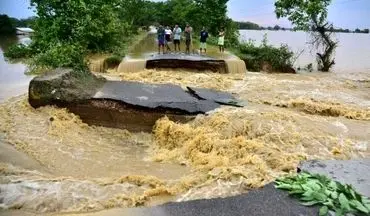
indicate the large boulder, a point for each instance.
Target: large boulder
{"x":62,"y":86}
{"x":121,"y":104}
{"x":194,"y":62}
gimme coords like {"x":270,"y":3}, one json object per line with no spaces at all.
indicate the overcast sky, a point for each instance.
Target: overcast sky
{"x":343,"y":13}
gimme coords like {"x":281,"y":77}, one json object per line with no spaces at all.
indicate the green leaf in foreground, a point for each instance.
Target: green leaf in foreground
{"x":343,"y":201}
{"x":358,"y":205}
{"x":324,"y":211}
{"x":314,"y":189}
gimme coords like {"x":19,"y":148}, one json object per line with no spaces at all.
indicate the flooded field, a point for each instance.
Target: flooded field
{"x":68,"y":167}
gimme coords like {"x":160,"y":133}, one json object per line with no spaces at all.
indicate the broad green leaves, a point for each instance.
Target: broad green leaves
{"x":313,"y":189}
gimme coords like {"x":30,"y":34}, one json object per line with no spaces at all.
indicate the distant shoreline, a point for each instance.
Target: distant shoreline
{"x":292,"y":30}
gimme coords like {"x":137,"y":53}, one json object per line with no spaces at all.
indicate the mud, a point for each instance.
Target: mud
{"x":289,"y":118}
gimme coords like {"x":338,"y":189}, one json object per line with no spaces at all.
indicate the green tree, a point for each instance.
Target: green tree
{"x":28,"y":22}
{"x":276,"y":28}
{"x":6,"y":26}
{"x":65,"y":31}
{"x":311,"y":15}
{"x":248,"y":25}
{"x":213,"y":14}
{"x":92,"y":24}
{"x":198,"y":13}
{"x":138,"y":13}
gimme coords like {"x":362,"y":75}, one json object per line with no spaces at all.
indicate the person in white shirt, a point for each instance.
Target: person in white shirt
{"x":177,"y":37}
{"x":168,"y":36}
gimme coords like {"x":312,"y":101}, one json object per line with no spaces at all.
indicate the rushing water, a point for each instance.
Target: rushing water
{"x":66,"y":166}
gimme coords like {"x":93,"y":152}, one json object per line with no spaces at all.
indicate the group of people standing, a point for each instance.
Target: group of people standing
{"x":166,"y":35}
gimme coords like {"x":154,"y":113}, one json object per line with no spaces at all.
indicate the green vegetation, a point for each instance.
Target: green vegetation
{"x":248,"y":25}
{"x":365,"y":31}
{"x":311,"y":16}
{"x":112,"y":61}
{"x":28,"y":22}
{"x":265,"y":57}
{"x":18,"y":51}
{"x":198,"y":13}
{"x":314,"y":189}
{"x":65,"y":33}
{"x":6,"y":25}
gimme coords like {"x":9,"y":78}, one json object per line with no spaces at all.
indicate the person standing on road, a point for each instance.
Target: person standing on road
{"x":188,"y":31}
{"x":221,"y":40}
{"x":177,"y":37}
{"x":161,"y":39}
{"x":168,"y":33}
{"x":203,"y":40}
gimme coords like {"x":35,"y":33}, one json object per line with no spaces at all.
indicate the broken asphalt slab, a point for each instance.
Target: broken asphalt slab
{"x":266,"y":201}
{"x":128,"y":105}
{"x":220,"y":97}
{"x":195,"y":62}
{"x":353,"y":172}
{"x":154,"y":96}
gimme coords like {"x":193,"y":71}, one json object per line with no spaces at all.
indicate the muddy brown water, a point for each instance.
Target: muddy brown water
{"x":65,"y":166}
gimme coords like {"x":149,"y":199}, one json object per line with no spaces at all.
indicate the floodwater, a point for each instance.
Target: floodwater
{"x":51,"y":162}
{"x":13,"y":81}
{"x":352,"y":54}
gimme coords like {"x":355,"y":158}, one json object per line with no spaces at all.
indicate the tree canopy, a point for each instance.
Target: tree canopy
{"x":6,"y":25}
{"x":303,"y":12}
{"x":92,"y":24}
{"x":248,"y":25}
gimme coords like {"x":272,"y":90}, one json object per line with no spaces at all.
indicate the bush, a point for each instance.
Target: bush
{"x":61,"y":55}
{"x":17,"y":51}
{"x":257,"y":57}
{"x":112,"y":61}
{"x":65,"y":33}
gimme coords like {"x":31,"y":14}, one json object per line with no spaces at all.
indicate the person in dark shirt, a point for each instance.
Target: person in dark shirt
{"x":203,"y":40}
{"x":161,"y":38}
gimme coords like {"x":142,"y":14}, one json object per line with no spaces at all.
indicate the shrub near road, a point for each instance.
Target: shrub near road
{"x":266,"y":57}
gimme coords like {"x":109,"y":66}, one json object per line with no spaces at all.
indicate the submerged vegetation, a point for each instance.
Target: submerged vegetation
{"x":315,"y":189}
{"x":311,"y":16}
{"x":266,"y":57}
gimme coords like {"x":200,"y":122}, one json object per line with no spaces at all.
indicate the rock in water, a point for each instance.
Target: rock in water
{"x":129,"y":105}
{"x":62,"y":86}
{"x":195,"y":62}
